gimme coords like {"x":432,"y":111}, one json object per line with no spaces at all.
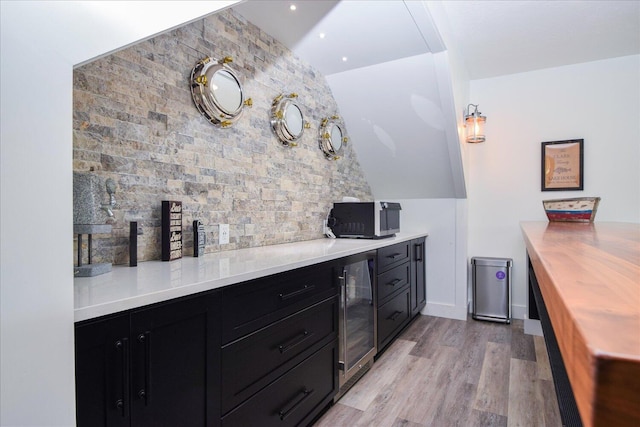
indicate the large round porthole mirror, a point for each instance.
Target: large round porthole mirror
{"x":217,"y":91}
{"x":332,"y":137}
{"x":287,"y":120}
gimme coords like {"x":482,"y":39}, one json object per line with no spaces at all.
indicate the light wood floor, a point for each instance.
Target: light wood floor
{"x":443,"y":372}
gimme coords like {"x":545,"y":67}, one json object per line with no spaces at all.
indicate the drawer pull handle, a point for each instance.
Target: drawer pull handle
{"x":394,"y":282}
{"x":307,"y":288}
{"x":394,"y":256}
{"x":298,"y":339}
{"x":394,"y":316}
{"x":294,"y":403}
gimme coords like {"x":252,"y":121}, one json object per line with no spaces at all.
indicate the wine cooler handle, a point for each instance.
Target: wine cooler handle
{"x":343,"y":302}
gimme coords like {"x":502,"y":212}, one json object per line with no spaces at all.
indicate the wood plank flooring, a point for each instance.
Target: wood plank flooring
{"x":443,"y":372}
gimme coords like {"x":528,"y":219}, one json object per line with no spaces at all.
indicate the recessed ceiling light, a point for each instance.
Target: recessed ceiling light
{"x":344,"y":59}
{"x":293,"y":7}
{"x":321,"y":35}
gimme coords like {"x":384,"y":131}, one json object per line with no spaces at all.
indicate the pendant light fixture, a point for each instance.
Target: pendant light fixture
{"x":474,"y":124}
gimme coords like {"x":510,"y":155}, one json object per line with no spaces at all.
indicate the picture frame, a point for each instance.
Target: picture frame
{"x":562,"y":165}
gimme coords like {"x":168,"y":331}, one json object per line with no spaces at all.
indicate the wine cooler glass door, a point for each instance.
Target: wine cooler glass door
{"x":357,"y":315}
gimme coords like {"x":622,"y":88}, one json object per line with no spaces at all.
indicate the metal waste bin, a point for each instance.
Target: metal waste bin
{"x":491,"y":281}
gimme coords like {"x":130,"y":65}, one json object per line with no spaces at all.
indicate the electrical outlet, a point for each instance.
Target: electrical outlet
{"x":223,"y":234}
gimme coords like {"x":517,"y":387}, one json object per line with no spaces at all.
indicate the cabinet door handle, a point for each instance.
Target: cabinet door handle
{"x":293,"y":294}
{"x":418,"y":251}
{"x":394,"y":256}
{"x":394,"y":316}
{"x":298,"y":339}
{"x":122,"y":347}
{"x":294,"y":403}
{"x":394,"y":282}
{"x":145,"y":392}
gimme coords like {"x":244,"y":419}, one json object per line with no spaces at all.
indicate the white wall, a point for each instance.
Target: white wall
{"x":446,"y":272}
{"x":40,"y":44}
{"x":597,"y":101}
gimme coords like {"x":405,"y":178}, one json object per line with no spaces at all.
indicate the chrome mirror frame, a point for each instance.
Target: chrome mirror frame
{"x":203,"y":91}
{"x":332,"y":144}
{"x":286,"y":131}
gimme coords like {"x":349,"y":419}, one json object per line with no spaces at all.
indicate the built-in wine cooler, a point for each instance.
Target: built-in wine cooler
{"x":357,"y":318}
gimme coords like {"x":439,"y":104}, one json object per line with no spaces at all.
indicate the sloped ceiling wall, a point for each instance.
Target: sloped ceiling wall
{"x":396,"y":123}
{"x":394,"y":93}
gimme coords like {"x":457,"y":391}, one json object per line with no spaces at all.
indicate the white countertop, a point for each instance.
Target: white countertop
{"x":150,"y":282}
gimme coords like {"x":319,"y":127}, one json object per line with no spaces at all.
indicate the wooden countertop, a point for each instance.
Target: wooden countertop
{"x":589,"y":277}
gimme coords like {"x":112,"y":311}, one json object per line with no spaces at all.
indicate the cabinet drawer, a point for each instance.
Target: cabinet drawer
{"x":392,"y":317}
{"x":293,"y":399}
{"x":252,"y":305}
{"x":392,"y":255}
{"x":392,"y":281}
{"x":254,"y":361}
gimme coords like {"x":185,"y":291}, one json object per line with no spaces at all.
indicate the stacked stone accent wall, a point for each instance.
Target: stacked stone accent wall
{"x":135,"y":122}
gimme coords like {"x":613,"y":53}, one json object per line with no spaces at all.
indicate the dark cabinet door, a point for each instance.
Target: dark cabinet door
{"x":102,"y":373}
{"x":151,"y":367}
{"x":418,"y":282}
{"x":173,"y":364}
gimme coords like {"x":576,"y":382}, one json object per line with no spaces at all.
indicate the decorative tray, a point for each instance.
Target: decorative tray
{"x":580,"y":209}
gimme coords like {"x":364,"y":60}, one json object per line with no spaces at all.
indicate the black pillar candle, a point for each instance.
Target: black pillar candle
{"x":133,"y":243}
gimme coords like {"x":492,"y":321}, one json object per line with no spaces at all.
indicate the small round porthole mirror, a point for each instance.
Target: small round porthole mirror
{"x":217,"y":91}
{"x":287,"y":120}
{"x":332,"y":137}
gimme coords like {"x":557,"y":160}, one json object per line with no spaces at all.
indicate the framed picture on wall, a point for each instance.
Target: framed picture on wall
{"x":563,"y":165}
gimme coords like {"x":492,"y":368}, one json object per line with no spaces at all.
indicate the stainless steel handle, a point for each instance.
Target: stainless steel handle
{"x":343,"y":299}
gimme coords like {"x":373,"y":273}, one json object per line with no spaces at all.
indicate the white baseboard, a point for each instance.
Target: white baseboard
{"x":532,"y":327}
{"x":445,"y":310}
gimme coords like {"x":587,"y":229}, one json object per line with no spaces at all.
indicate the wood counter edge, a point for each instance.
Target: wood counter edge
{"x":595,"y":375}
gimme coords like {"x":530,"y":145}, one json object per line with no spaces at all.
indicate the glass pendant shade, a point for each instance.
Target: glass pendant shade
{"x":474,"y":125}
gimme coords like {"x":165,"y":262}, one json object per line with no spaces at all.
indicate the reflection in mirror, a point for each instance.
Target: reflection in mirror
{"x":332,"y":137}
{"x":293,"y":119}
{"x":336,"y":137}
{"x":226,"y":91}
{"x":217,"y":91}
{"x":287,"y":120}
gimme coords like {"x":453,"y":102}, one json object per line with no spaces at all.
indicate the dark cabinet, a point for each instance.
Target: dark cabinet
{"x":293,"y":399}
{"x":393,"y":292}
{"x":393,"y":316}
{"x":418,"y":283}
{"x":262,"y":352}
{"x":279,"y":347}
{"x":253,"y":362}
{"x":149,"y":367}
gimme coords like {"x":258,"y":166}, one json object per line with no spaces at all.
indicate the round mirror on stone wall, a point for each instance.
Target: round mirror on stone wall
{"x":217,"y":91}
{"x":287,"y":120}
{"x":332,"y":137}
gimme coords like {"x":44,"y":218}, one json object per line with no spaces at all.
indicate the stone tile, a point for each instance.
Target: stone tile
{"x":135,"y":121}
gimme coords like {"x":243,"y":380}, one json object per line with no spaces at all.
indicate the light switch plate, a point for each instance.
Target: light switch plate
{"x":223,"y":233}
